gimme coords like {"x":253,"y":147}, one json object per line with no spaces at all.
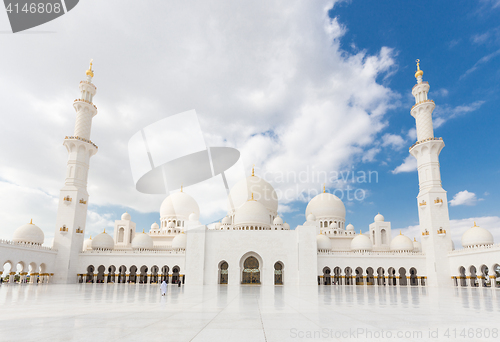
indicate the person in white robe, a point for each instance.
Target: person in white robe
{"x":163,"y":288}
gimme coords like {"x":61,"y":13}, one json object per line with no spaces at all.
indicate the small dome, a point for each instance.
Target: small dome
{"x":179,"y":242}
{"x":155,"y":226}
{"x":126,"y":217}
{"x":361,"y":243}
{"x":379,"y":218}
{"x":226,"y":220}
{"x":278,"y":220}
{"x":401,"y":243}
{"x":217,"y":225}
{"x":29,"y":233}
{"x":477,"y":236}
{"x":171,"y":224}
{"x":286,"y":226}
{"x":349,"y":228}
{"x":87,"y":244}
{"x":142,"y":241}
{"x":417,"y":246}
{"x":323,"y":242}
{"x":103,"y":241}
{"x":179,"y":205}
{"x":311,"y":218}
{"x":252,"y":212}
{"x":193,"y":217}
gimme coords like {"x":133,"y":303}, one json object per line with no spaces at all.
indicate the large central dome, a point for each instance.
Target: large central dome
{"x":179,"y":205}
{"x":325,"y":206}
{"x":262,"y":191}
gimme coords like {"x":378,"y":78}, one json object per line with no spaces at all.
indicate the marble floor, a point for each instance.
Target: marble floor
{"x":123,"y":312}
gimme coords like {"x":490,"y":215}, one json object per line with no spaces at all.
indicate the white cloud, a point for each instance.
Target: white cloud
{"x":412,"y":134}
{"x":393,"y":140}
{"x":369,"y":156}
{"x":445,"y":113}
{"x":464,"y":198}
{"x":481,"y":61}
{"x":247,"y":69}
{"x":409,"y":165}
{"x":458,"y":228}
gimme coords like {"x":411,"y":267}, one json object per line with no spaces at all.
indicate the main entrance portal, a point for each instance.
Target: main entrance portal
{"x":251,"y":272}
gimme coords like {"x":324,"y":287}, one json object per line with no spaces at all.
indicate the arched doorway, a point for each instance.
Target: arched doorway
{"x":251,"y":272}
{"x":223,"y":273}
{"x":278,"y":273}
{"x":122,"y":275}
{"x":402,"y":277}
{"x":473,"y":277}
{"x":327,"y":279}
{"x":348,"y":276}
{"x":132,"y":278}
{"x":90,"y":274}
{"x":111,"y":274}
{"x":337,"y":276}
{"x":175,"y":274}
{"x":154,"y":274}
{"x":413,"y":277}
{"x":143,"y":275}
{"x":100,"y":274}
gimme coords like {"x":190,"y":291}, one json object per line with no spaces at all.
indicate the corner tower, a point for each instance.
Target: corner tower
{"x":73,"y":198}
{"x":432,"y":200}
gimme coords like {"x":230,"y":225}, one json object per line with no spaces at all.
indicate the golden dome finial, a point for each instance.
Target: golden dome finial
{"x":31,"y":222}
{"x":104,"y":230}
{"x":253,"y":170}
{"x":143,"y":230}
{"x":90,"y":72}
{"x":414,"y":239}
{"x":90,"y":237}
{"x":475,"y":224}
{"x":419,"y":72}
{"x":400,"y":233}
{"x":324,"y":187}
{"x":181,"y":187}
{"x":360,"y":231}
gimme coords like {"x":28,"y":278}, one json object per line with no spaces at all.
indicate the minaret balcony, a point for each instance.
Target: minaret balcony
{"x":422,"y":141}
{"x":82,"y":100}
{"x":419,"y":103}
{"x":81,"y":139}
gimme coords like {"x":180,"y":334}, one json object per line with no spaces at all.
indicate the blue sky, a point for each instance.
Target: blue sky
{"x":288,"y":84}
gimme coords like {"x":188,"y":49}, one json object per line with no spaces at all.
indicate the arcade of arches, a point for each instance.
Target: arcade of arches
{"x":133,"y":274}
{"x":250,"y":274}
{"x":481,"y":276}
{"x":378,"y":277}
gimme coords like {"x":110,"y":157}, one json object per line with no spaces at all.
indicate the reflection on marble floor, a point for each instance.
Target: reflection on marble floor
{"x":122,"y":312}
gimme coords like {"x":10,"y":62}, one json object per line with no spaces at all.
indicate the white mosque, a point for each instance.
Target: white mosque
{"x":252,"y":244}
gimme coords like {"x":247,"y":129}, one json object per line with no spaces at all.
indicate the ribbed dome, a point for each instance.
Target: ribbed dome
{"x":155,"y":226}
{"x":278,"y":220}
{"x":252,"y":212}
{"x":361,"y":243}
{"x":29,"y":233}
{"x":103,"y":241}
{"x":126,"y":216}
{"x":323,"y":242}
{"x":401,"y":243}
{"x":349,"y":228}
{"x":179,"y":205}
{"x":379,"y":218}
{"x":226,"y":220}
{"x":477,"y":236}
{"x":87,"y":244}
{"x":142,"y":241}
{"x":179,"y":242}
{"x":326,"y":205}
{"x":262,"y":191}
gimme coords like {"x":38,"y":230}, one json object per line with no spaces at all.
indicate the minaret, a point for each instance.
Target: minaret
{"x":73,"y":198}
{"x":432,"y":201}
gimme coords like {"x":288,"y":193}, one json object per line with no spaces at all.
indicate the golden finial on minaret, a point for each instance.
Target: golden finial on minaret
{"x":90,"y":72}
{"x":419,"y":72}
{"x":253,"y":170}
{"x":252,"y":197}
{"x":324,"y":187}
